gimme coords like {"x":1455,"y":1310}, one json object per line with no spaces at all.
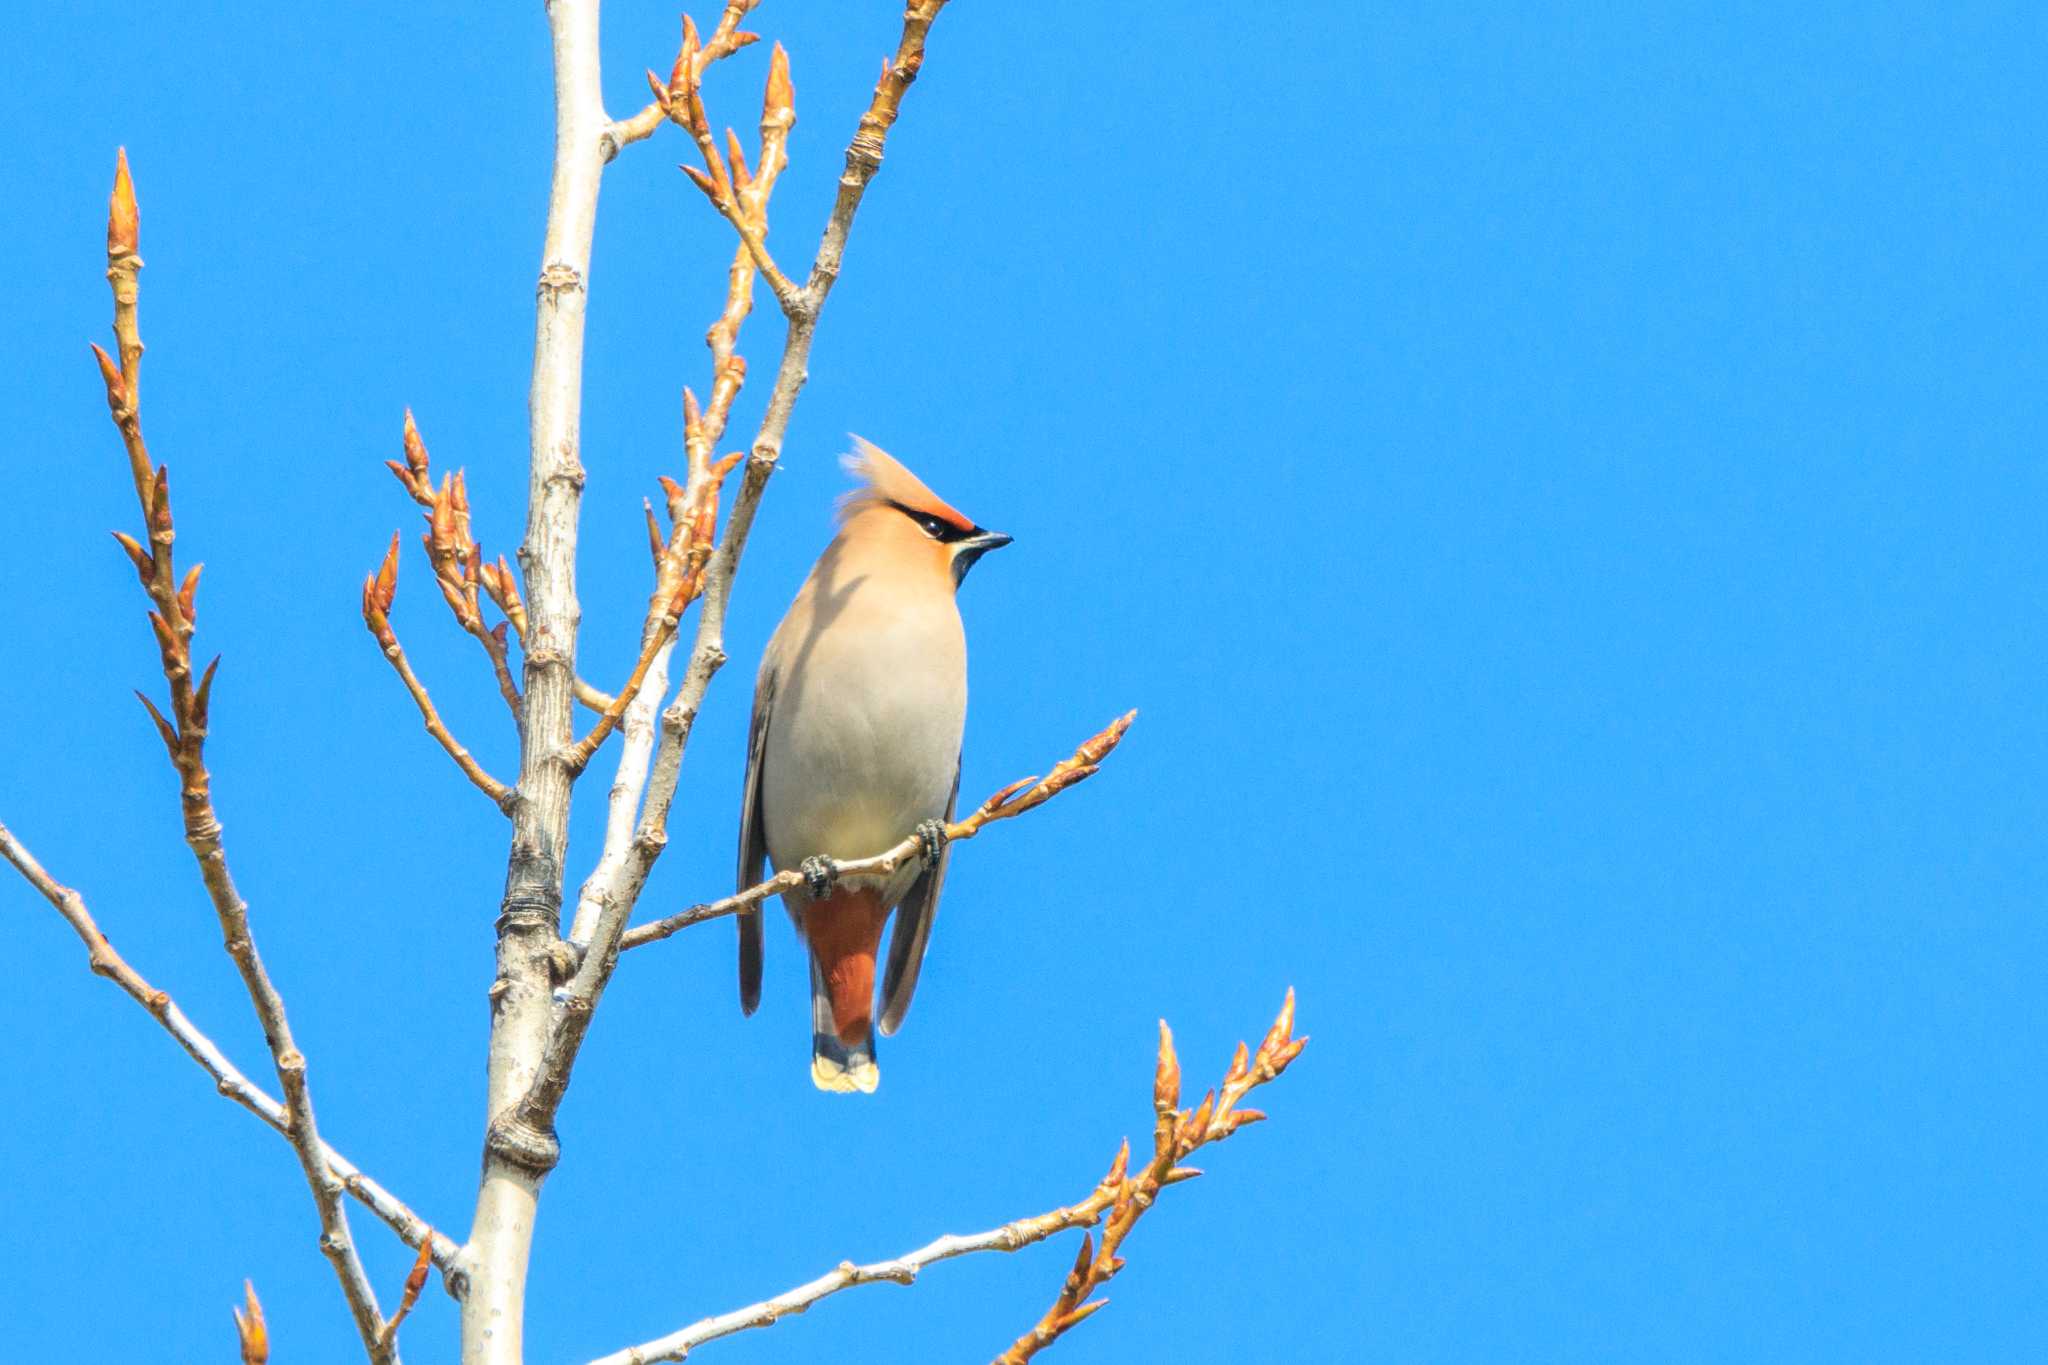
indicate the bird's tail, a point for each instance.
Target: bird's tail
{"x":845,"y":933}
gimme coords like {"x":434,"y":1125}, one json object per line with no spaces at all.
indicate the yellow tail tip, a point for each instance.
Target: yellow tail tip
{"x":860,"y":1078}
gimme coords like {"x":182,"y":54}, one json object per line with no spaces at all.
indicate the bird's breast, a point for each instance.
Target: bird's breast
{"x":864,"y":739}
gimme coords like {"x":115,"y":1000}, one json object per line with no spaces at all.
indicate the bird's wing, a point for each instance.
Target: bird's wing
{"x":754,"y":842}
{"x":914,"y":916}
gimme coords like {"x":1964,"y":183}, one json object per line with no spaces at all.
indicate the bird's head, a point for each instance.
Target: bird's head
{"x":897,"y":504}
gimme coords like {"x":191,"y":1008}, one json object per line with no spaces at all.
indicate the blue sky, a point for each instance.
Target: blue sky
{"x":1562,"y":485}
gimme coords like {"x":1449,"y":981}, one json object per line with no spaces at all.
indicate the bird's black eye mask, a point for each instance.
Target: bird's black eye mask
{"x":938,"y":528}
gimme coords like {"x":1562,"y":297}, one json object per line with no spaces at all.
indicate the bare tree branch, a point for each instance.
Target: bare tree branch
{"x":1011,"y":800}
{"x":1176,"y":1134}
{"x":380,"y":591}
{"x":517,"y":1155}
{"x":457,"y":559}
{"x":1121,"y":1197}
{"x":227,"y":1077}
{"x":707,"y":654}
{"x":184,"y":734}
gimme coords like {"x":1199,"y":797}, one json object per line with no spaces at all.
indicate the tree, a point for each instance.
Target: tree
{"x":549,"y":982}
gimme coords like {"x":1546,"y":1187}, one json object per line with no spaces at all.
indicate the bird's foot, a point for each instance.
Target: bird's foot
{"x":933,"y":834}
{"x":819,"y":874}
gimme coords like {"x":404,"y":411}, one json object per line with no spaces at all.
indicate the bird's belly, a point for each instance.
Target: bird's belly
{"x":852,"y":767}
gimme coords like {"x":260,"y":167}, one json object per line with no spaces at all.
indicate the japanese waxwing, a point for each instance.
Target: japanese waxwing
{"x":855,"y":743}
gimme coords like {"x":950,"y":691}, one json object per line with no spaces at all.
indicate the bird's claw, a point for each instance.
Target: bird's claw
{"x":819,"y":874}
{"x":933,"y":835}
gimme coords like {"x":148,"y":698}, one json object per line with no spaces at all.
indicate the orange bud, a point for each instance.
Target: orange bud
{"x":255,"y":1337}
{"x":387,"y":577}
{"x":1178,"y":1174}
{"x":738,"y":158}
{"x":686,"y":60}
{"x":123,"y":218}
{"x":703,"y":182}
{"x":1083,"y":1313}
{"x":415,"y":448}
{"x":660,"y":91}
{"x":203,"y":697}
{"x":1197,"y":1123}
{"x":1283,"y":1026}
{"x":165,"y":639}
{"x":1166,"y":1078}
{"x":187,"y":592}
{"x":139,"y":556}
{"x":1098,"y":748}
{"x":160,"y":501}
{"x":778,"y":101}
{"x":1081,"y":1261}
{"x":110,"y":375}
{"x":163,"y":727}
{"x":653,"y":533}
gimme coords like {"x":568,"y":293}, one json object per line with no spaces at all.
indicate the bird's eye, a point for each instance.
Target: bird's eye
{"x":933,"y":527}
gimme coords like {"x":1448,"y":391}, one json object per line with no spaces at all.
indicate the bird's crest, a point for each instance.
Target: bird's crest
{"x":884,"y":480}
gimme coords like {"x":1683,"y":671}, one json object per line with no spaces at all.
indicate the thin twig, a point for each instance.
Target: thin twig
{"x":1012,"y":800}
{"x":456,"y":558}
{"x":725,"y":40}
{"x":707,"y":652}
{"x":409,"y":1294}
{"x":184,"y":735}
{"x":228,"y":1079}
{"x":380,"y":591}
{"x":1176,"y":1134}
{"x":1121,"y":1197}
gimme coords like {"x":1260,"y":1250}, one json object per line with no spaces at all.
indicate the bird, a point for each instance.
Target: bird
{"x":859,"y":710}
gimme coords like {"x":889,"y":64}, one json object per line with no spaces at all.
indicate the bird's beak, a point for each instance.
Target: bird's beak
{"x":965,"y":552}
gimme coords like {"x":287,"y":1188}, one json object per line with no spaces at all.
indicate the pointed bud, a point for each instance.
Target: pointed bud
{"x":660,"y":91}
{"x":441,"y":520}
{"x":1003,"y":797}
{"x":677,"y":495}
{"x":386,"y":581}
{"x":738,"y":159}
{"x":415,"y":448}
{"x":124,"y":220}
{"x":110,"y":375}
{"x":778,"y":101}
{"x":1098,"y":748}
{"x":1081,"y":1261}
{"x":165,"y":640}
{"x":204,"y":696}
{"x":1122,"y":1164}
{"x":1178,"y":1174}
{"x":1197,"y":1123}
{"x":1083,"y":1313}
{"x":1166,"y":1079}
{"x":1240,"y":1119}
{"x":144,"y":568}
{"x":187,"y":592}
{"x":160,"y":503}
{"x":702,"y":182}
{"x":653,"y":534}
{"x":693,"y":414}
{"x":1240,"y":1065}
{"x":686,"y":60}
{"x":1283,"y":1027}
{"x":255,"y":1337}
{"x":163,"y":727}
